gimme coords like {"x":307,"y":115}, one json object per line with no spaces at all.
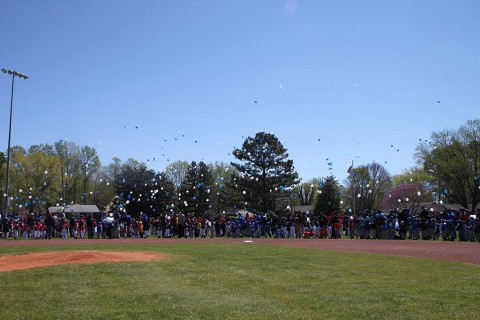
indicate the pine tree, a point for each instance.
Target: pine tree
{"x":328,"y":196}
{"x":196,"y":188}
{"x":266,"y":174}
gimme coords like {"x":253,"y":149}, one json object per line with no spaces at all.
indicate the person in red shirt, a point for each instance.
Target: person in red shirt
{"x":309,"y":234}
{"x":81,"y":227}
{"x":25,"y":231}
{"x":338,"y":226}
{"x":65,"y":226}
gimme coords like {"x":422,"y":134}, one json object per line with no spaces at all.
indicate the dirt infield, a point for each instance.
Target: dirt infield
{"x":22,"y":261}
{"x":466,"y":252}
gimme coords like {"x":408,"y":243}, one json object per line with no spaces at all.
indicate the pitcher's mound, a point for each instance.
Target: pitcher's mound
{"x":12,"y":262}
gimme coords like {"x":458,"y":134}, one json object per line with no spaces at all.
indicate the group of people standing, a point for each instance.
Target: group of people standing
{"x":449,"y":225}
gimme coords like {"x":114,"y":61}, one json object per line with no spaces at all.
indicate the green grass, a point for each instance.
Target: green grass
{"x":242,"y":281}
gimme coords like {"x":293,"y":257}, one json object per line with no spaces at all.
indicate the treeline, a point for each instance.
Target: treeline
{"x":262,"y":180}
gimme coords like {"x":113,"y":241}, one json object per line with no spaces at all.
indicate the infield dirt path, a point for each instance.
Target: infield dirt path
{"x":10,"y":262}
{"x":467,"y":252}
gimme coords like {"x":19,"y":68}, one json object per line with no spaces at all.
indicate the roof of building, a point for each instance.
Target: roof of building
{"x":75,"y":208}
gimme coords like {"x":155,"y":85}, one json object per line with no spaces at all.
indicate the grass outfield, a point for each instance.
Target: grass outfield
{"x":242,"y":281}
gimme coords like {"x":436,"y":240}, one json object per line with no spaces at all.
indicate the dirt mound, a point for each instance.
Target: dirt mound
{"x":12,"y":262}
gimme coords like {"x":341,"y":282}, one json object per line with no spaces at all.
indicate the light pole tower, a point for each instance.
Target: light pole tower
{"x":23,"y":76}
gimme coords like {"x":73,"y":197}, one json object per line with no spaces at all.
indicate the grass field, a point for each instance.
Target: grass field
{"x":242,"y":281}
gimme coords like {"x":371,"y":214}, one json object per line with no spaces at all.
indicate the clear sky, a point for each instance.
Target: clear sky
{"x":161,"y":81}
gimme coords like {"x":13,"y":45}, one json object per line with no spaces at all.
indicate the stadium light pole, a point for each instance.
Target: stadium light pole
{"x":20,"y":75}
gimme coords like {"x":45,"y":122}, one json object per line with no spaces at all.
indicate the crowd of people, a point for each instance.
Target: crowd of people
{"x":448,"y":226}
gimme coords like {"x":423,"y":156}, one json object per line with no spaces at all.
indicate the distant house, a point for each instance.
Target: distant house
{"x":75,"y":210}
{"x":436,"y":207}
{"x":432,"y":207}
{"x":306,"y":208}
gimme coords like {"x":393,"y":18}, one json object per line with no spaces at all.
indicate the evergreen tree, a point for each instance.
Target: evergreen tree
{"x":328,"y":196}
{"x":266,"y":172}
{"x":196,"y":188}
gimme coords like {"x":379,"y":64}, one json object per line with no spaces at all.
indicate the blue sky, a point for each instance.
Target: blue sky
{"x":161,"y":81}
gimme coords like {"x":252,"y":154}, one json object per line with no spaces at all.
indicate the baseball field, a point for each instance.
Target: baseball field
{"x":239,"y":279}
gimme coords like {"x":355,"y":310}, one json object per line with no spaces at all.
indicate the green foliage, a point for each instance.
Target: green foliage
{"x":79,"y":164}
{"x":140,"y":190}
{"x":196,"y":188}
{"x":266,"y":173}
{"x":225,"y":193}
{"x":176,"y":173}
{"x":413,"y":175}
{"x":328,"y":196}
{"x":452,"y":158}
{"x":35,"y":179}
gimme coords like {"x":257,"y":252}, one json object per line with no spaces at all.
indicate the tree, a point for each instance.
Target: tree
{"x":413,"y":175}
{"x":452,"y":158}
{"x":405,"y":196}
{"x":266,"y":173}
{"x":230,"y":192}
{"x":176,"y":173}
{"x":196,"y":188}
{"x":163,"y":195}
{"x":90,"y":165}
{"x":366,"y":186}
{"x":103,"y":190}
{"x":34,"y":178}
{"x":328,"y":196}
{"x":223,"y":194}
{"x":305,"y":193}
{"x":134,"y":183}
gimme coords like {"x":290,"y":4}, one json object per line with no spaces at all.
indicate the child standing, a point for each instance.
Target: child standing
{"x":64,"y":229}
